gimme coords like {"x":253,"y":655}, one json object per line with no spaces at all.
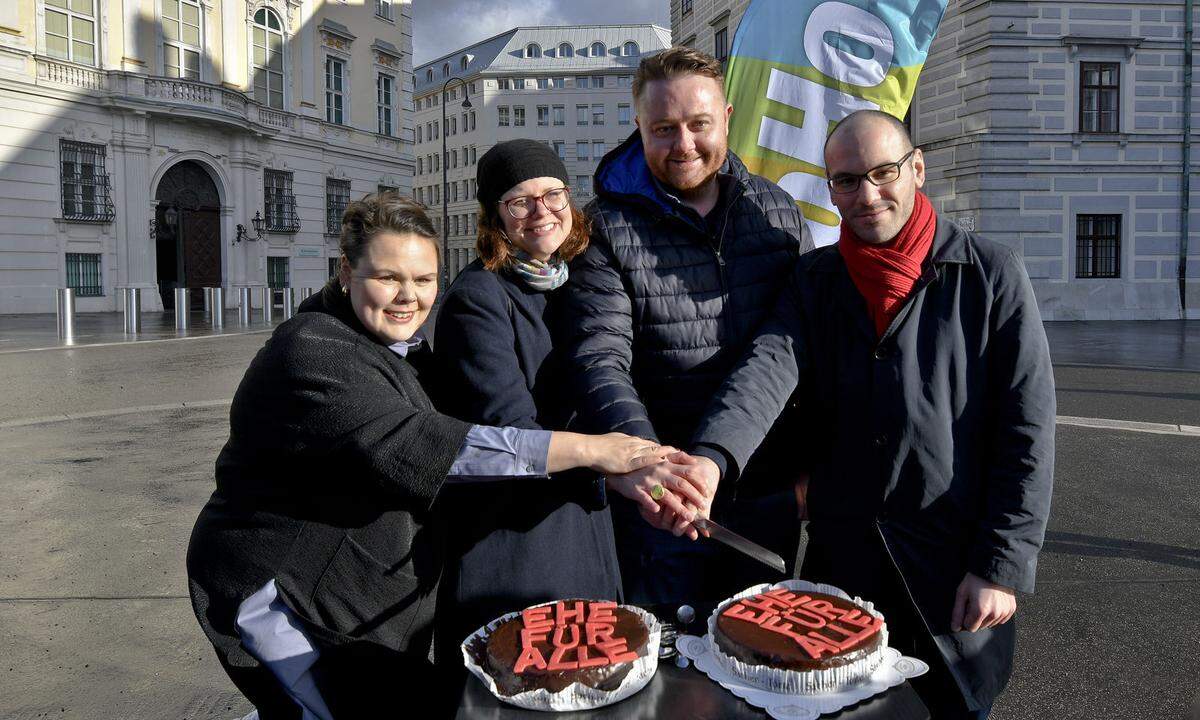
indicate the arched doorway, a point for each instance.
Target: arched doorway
{"x":187,"y":232}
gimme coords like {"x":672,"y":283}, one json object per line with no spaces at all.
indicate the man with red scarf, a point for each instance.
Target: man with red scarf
{"x":921,"y":358}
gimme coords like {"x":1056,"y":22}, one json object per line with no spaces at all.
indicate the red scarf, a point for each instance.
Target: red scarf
{"x":885,"y":274}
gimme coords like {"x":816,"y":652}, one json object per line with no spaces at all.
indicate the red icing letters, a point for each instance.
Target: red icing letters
{"x":576,"y":635}
{"x":816,"y":625}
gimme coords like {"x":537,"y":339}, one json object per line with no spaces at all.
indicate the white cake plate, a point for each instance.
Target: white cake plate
{"x":893,"y":671}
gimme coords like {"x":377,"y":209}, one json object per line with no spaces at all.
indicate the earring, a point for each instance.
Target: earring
{"x":345,"y":291}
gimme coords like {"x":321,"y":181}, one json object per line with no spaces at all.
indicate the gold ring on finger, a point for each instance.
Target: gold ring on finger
{"x":658,"y":492}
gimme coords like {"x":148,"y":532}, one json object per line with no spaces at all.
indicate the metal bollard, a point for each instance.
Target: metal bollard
{"x":132,"y":304}
{"x":244,"y":306}
{"x":305,"y":293}
{"x":65,"y":309}
{"x":218,"y":308}
{"x":181,"y":308}
{"x":289,"y":303}
{"x":207,"y":301}
{"x":268,"y":305}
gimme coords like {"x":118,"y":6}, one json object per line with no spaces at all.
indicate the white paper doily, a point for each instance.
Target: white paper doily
{"x":893,"y":671}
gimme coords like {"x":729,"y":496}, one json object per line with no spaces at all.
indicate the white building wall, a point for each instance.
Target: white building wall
{"x":148,"y":123}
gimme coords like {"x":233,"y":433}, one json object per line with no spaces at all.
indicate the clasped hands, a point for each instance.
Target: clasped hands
{"x":688,"y":484}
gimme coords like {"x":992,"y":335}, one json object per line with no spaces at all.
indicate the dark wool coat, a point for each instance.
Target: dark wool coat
{"x":528,"y":540}
{"x":663,"y":303}
{"x":334,"y":459}
{"x":934,"y":454}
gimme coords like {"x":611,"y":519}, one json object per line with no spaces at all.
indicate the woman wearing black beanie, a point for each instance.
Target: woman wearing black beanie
{"x":518,"y":544}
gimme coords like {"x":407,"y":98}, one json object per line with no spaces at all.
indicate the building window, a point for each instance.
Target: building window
{"x":597,"y":149}
{"x":624,"y":114}
{"x":503,"y":84}
{"x":1099,"y":97}
{"x":472,"y":120}
{"x":543,"y":115}
{"x":337,"y":197}
{"x":420,"y":166}
{"x":280,"y":201}
{"x":71,"y":30}
{"x":335,"y":94}
{"x":560,"y":149}
{"x":453,"y":126}
{"x":277,"y":272}
{"x":1098,"y":246}
{"x":445,"y":69}
{"x":597,"y":114}
{"x":463,"y":62}
{"x":565,"y":50}
{"x":543,"y":83}
{"x":560,"y":115}
{"x":181,"y":38}
{"x":598,"y":49}
{"x":267,"y":65}
{"x":721,"y":44}
{"x":474,"y":157}
{"x":582,"y":186}
{"x":581,"y":114}
{"x":582,"y":82}
{"x":624,"y":81}
{"x":383,"y":99}
{"x":502,"y":115}
{"x":558,"y":83}
{"x":383,"y":8}
{"x":533,"y":50}
{"x":428,"y":78}
{"x":581,"y":149}
{"x":83,"y":274}
{"x":519,"y":116}
{"x":630,"y":49}
{"x":419,"y":134}
{"x":85,"y":195}
{"x":333,"y":266}
{"x":454,"y":158}
{"x":685,"y":7}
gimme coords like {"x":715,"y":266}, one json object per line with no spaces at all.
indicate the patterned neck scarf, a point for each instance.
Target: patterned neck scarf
{"x":541,"y":276}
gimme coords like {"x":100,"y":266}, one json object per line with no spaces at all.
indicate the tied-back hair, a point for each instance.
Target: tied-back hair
{"x":675,"y":62}
{"x":495,"y":249}
{"x":387,"y":211}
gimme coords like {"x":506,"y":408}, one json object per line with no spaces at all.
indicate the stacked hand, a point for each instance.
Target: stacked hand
{"x":672,"y":493}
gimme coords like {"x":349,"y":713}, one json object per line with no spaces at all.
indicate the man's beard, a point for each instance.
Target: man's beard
{"x":699,"y":188}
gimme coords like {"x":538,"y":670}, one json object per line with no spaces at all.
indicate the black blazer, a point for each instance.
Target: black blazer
{"x":334,"y":459}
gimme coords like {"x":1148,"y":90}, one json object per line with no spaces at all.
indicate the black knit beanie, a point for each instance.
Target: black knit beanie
{"x":513,"y":162}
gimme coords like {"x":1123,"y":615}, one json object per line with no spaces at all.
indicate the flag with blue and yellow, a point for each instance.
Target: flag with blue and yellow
{"x":799,"y":66}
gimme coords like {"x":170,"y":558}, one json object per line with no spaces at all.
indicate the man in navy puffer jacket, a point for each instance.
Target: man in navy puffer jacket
{"x":687,"y":255}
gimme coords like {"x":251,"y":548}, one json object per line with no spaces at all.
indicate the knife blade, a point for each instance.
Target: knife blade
{"x":739,"y":543}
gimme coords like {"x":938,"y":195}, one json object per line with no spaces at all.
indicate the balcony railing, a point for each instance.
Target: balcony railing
{"x":174,"y":92}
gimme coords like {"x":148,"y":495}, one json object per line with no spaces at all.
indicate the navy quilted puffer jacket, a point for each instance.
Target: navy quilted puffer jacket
{"x":663,"y":304}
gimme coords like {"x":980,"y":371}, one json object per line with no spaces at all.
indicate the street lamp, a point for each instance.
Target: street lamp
{"x":445,"y":184}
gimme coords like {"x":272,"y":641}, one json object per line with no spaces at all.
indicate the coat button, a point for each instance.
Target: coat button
{"x":882,"y":354}
{"x":881,"y":441}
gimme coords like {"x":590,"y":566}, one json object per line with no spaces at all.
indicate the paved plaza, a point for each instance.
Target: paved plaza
{"x":108,"y":451}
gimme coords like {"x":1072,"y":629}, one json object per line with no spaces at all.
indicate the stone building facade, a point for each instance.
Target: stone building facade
{"x":569,"y":86}
{"x":143,"y":138}
{"x":1056,"y":128}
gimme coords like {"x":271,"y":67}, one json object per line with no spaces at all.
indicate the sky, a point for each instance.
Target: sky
{"x":442,"y":26}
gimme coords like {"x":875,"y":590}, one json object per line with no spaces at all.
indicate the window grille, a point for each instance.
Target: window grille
{"x":280,"y":202}
{"x":85,"y":185}
{"x":337,"y":197}
{"x":83,"y":274}
{"x":1098,"y":246}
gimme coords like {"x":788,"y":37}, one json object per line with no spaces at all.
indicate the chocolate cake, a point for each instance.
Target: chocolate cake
{"x":802,"y":631}
{"x":552,"y":646}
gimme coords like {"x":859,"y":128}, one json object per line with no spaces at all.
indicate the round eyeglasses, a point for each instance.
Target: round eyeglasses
{"x":523,"y":206}
{"x":844,"y":183}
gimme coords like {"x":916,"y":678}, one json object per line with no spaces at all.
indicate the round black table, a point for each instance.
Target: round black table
{"x":685,"y":693}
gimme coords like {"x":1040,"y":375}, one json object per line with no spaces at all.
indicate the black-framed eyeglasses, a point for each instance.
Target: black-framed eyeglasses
{"x":882,"y":175}
{"x":523,"y":206}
